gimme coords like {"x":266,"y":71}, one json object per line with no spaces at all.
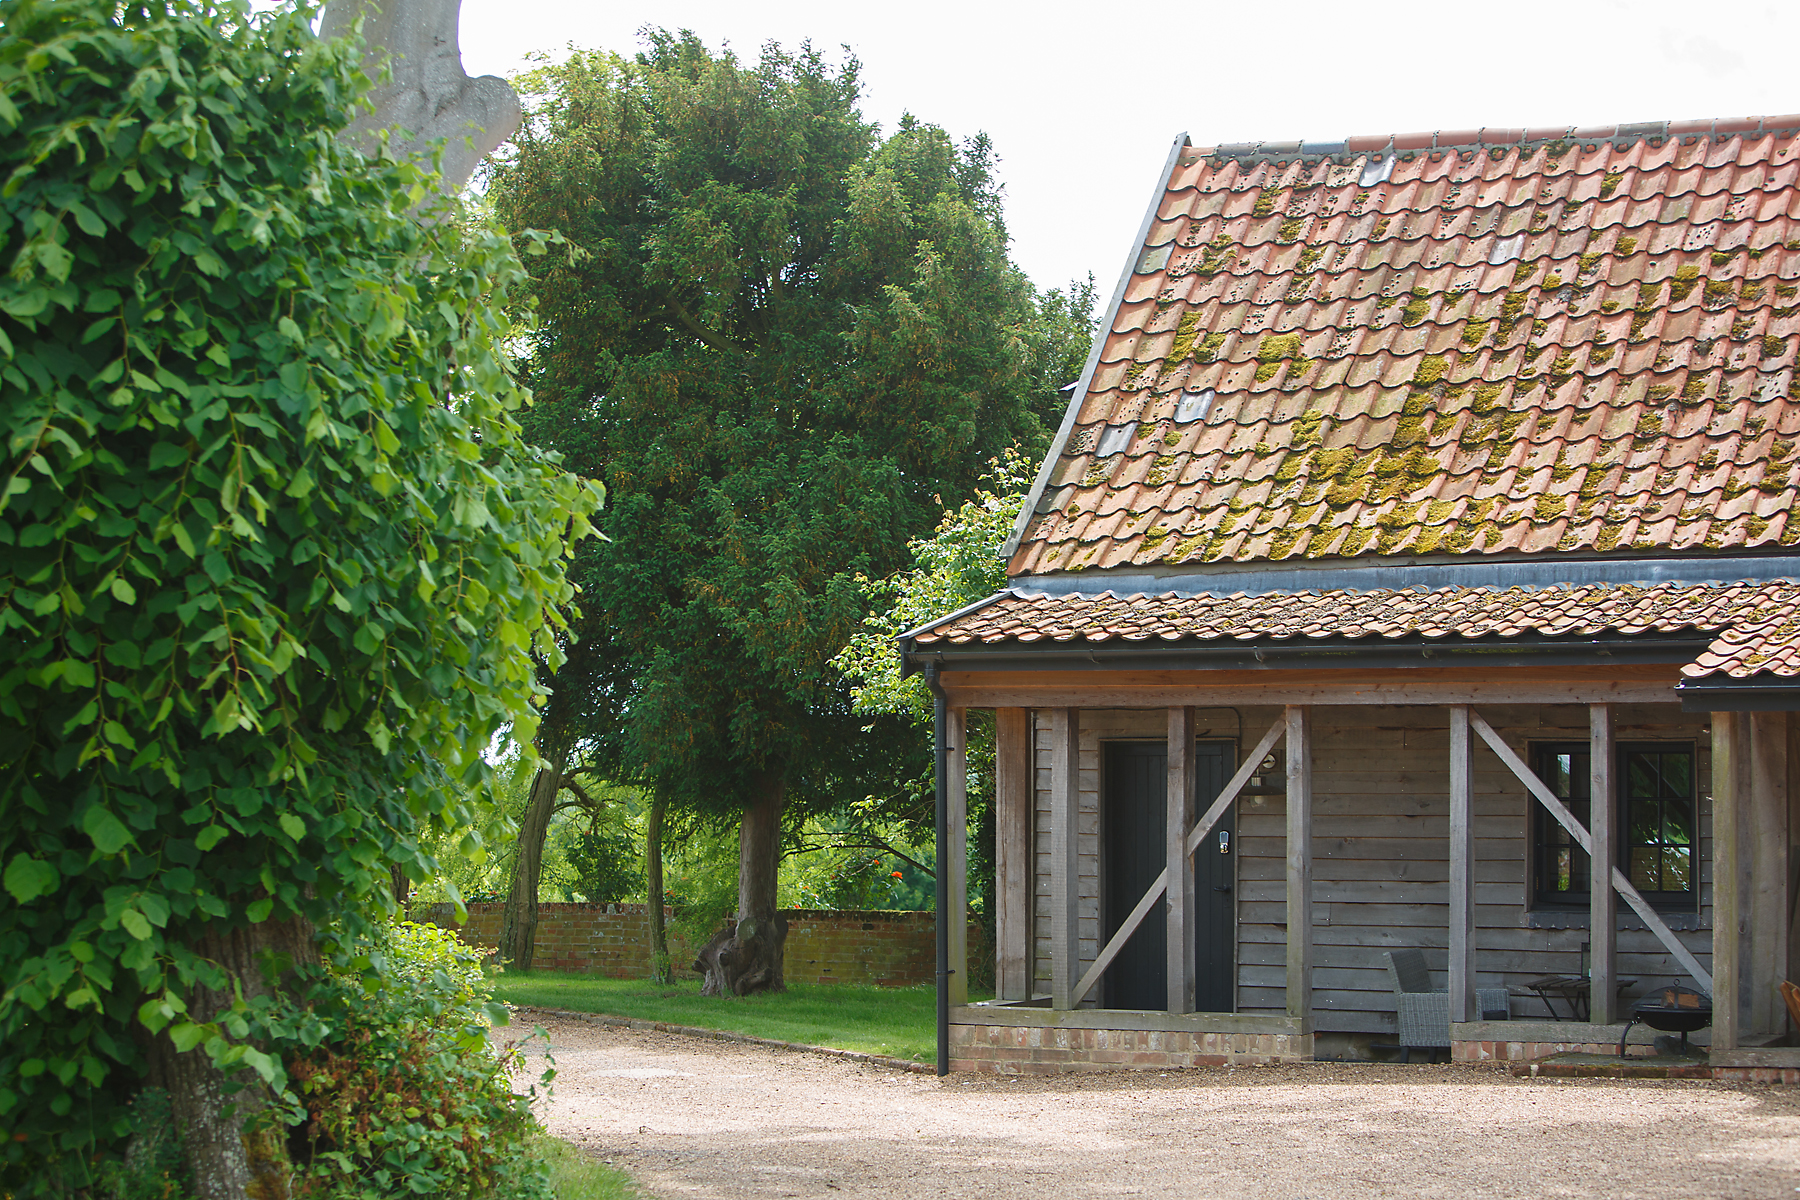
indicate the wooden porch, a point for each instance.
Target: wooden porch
{"x":1402,"y":819}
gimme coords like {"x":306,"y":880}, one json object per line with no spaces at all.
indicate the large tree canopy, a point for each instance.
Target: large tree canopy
{"x":272,"y":547}
{"x":787,"y":339}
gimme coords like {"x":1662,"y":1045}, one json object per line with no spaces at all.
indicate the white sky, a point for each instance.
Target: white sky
{"x":1083,"y":100}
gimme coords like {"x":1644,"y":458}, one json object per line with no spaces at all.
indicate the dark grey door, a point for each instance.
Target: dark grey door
{"x":1136,"y":817}
{"x":1215,"y":874}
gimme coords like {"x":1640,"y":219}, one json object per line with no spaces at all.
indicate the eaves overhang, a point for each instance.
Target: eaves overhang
{"x":1342,"y":653}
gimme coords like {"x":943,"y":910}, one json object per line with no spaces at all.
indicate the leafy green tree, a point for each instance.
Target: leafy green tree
{"x":272,"y":553}
{"x":785,"y":339}
{"x":959,"y":564}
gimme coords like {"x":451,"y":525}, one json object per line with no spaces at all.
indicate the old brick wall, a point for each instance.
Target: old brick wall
{"x":892,"y":949}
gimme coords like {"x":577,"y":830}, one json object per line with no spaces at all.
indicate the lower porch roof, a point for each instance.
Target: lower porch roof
{"x":1737,"y":640}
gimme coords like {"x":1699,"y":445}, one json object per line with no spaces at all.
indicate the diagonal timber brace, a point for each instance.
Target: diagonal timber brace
{"x":1567,"y":820}
{"x":1202,"y":827}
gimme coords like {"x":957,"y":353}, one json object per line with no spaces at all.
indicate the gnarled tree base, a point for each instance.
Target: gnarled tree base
{"x":233,"y":1153}
{"x":744,"y":957}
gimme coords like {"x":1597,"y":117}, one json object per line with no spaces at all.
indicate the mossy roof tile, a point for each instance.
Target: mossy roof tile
{"x":1489,"y":320}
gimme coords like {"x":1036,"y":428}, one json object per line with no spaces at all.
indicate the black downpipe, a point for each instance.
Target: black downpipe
{"x":940,"y":758}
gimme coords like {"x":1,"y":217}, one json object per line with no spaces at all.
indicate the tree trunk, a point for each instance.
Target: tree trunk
{"x":402,"y":888}
{"x":230,"y":1155}
{"x":745,"y":957}
{"x":518,"y":928}
{"x":653,"y":891}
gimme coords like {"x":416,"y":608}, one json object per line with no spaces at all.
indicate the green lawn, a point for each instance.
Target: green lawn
{"x":896,"y":1021}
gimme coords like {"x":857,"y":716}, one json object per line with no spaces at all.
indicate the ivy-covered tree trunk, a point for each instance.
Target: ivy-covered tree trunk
{"x":272,"y":676}
{"x":230,"y":1155}
{"x":518,"y":926}
{"x":746,"y":957}
{"x":660,"y":967}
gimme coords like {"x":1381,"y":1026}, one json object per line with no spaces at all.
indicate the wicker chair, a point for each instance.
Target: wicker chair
{"x":1422,"y":1013}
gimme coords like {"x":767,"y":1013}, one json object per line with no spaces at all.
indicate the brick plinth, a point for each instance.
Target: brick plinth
{"x":891,"y":949}
{"x":1757,"y":1074}
{"x":1464,"y":1051}
{"x":1038,"y":1050}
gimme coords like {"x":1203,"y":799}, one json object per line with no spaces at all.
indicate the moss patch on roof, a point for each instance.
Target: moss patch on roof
{"x":1512,"y":350}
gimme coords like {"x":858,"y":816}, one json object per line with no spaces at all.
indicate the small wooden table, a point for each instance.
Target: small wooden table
{"x":1574,"y":989}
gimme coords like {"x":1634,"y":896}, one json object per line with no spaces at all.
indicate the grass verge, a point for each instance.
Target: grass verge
{"x":576,"y":1176}
{"x":900,"y":1022}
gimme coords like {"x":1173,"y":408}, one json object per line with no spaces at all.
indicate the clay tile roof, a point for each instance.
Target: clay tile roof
{"x":1757,"y":624}
{"x":1474,"y":342}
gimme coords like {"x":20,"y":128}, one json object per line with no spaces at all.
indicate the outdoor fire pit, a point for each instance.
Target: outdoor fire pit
{"x":1674,"y":1009}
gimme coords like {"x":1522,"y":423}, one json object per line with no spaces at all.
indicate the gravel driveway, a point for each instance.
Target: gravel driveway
{"x":694,"y":1118}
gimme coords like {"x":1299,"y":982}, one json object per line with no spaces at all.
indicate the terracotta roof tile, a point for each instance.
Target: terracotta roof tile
{"x":1582,"y":328}
{"x":1757,"y":625}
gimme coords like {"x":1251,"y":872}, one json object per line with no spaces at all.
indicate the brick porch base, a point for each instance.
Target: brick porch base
{"x":1038,"y":1050}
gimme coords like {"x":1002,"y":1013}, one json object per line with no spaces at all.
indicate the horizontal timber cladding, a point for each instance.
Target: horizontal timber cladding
{"x":1380,"y":854}
{"x":887,"y":948}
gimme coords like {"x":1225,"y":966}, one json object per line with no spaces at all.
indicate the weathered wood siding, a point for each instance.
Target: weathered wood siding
{"x":1381,"y":869}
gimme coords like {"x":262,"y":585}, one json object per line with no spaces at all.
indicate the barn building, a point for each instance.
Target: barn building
{"x":1413,"y":573}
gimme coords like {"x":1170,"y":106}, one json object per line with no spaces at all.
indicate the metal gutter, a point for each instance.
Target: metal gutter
{"x":1766,"y":694}
{"x":1211,"y":656}
{"x":1101,"y":333}
{"x":1226,"y":579}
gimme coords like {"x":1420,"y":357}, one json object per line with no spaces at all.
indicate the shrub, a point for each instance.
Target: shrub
{"x":406,"y":1093}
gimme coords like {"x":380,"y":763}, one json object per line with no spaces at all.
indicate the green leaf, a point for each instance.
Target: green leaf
{"x":497,"y":1013}
{"x":155,"y":1015}
{"x":186,"y":1035}
{"x":211,"y":836}
{"x":90,"y":222}
{"x":265,"y":1065}
{"x":259,"y":910}
{"x":122,"y":591}
{"x":28,"y":878}
{"x":109,"y":833}
{"x":293,"y":826}
{"x":134,"y":923}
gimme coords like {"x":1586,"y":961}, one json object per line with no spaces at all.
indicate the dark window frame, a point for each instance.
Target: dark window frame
{"x":1551,"y":853}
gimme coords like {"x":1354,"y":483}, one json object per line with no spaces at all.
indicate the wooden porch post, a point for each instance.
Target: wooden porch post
{"x":1728,"y":768}
{"x":1065,"y":865}
{"x":1462,"y":869}
{"x":1179,"y":935}
{"x":956,"y":788}
{"x":1603,"y":902}
{"x":1012,"y":853}
{"x":1765,"y":905}
{"x":1299,"y":865}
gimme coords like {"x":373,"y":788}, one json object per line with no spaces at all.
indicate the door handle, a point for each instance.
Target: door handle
{"x":1224,"y":887}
